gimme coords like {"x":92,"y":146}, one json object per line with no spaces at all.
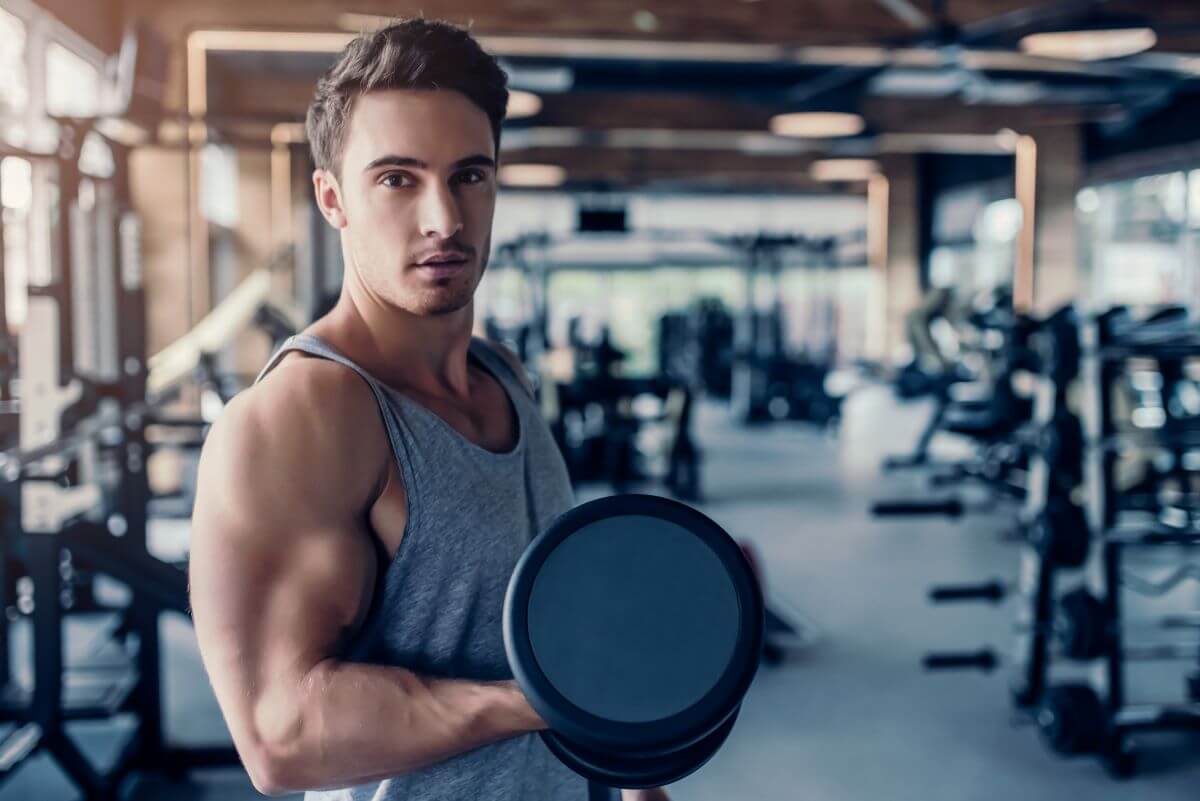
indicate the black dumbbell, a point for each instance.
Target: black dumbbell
{"x":1060,"y":443}
{"x":1081,"y":627}
{"x":1072,"y":719}
{"x":1060,"y":533}
{"x":634,"y":625}
{"x":947,"y":507}
{"x":1083,"y":630}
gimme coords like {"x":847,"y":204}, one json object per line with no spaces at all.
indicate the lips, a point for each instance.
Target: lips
{"x":442,"y":259}
{"x":438,"y":270}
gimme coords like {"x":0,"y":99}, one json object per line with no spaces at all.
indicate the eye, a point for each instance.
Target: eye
{"x":395,"y":180}
{"x":471,"y":177}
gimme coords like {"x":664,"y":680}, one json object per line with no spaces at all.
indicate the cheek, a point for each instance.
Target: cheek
{"x":478,"y":211}
{"x":386,"y":220}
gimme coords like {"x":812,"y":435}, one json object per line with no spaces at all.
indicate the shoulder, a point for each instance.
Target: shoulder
{"x":318,"y":394}
{"x":510,"y":358}
{"x":308,"y":416}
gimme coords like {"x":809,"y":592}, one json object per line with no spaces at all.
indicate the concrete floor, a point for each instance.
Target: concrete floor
{"x":853,"y":717}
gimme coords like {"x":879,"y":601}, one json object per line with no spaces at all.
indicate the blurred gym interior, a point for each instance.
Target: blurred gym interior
{"x":903,"y":294}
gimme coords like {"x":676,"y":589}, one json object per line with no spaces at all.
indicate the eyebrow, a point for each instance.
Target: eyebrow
{"x":407,"y":161}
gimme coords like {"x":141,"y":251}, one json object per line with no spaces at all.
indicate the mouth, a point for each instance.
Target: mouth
{"x":438,"y":268}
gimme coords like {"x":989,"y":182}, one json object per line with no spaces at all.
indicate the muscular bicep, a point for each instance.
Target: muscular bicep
{"x":281,"y":564}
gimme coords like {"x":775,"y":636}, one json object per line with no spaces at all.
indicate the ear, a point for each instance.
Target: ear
{"x":329,"y":198}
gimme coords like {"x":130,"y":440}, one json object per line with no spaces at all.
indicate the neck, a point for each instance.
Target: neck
{"x":427,"y":354}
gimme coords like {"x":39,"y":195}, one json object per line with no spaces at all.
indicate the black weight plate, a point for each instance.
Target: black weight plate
{"x":637,"y":772}
{"x":633,"y":624}
{"x":1072,"y":719}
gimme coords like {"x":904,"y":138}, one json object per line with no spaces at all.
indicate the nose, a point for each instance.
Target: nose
{"x":439,"y":212}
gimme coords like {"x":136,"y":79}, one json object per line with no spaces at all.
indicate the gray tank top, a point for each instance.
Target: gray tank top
{"x":437,"y":605}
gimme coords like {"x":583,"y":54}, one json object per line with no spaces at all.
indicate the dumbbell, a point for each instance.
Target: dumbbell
{"x":634,"y":625}
{"x":1060,"y":444}
{"x":1060,"y":533}
{"x":1080,"y":628}
{"x":987,"y":660}
{"x":1084,"y":630}
{"x":946,"y":507}
{"x":1073,"y":720}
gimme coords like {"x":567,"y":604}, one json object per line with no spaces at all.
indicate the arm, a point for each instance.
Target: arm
{"x":281,"y":573}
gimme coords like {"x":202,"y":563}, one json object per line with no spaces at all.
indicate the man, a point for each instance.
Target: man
{"x":360,"y":509}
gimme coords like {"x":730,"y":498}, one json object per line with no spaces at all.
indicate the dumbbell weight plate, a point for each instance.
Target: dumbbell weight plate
{"x":1060,"y":534}
{"x":634,"y":625}
{"x":1081,"y":625}
{"x":638,"y":771}
{"x":1072,"y":719}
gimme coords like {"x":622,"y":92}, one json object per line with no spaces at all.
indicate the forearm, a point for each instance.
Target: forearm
{"x":362,"y":723}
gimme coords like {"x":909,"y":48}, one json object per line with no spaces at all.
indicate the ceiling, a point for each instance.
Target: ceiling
{"x":677,"y":91}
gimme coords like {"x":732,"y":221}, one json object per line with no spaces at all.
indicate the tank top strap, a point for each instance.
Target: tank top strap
{"x":388,"y":411}
{"x":488,"y":352}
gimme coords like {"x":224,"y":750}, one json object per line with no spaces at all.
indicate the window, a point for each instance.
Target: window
{"x":1138,"y":239}
{"x":72,"y":84}
{"x":14,"y":88}
{"x":16,"y":200}
{"x":631,"y":300}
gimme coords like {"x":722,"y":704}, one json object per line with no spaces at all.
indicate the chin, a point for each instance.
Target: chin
{"x":438,"y":303}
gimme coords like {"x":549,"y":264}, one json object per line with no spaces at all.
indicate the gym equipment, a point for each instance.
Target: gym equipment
{"x":787,"y":631}
{"x":991,"y":420}
{"x":253,"y":302}
{"x":634,"y":625}
{"x":1080,"y":626}
{"x":1075,"y":457}
{"x":597,"y":424}
{"x":74,"y":489}
{"x":1060,"y":534}
{"x":1072,"y":719}
{"x":767,"y":382}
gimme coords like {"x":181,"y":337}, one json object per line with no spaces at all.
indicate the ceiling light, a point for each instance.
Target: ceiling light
{"x":1089,"y":45}
{"x":817,"y":124}
{"x":645,"y":21}
{"x":844,"y":169}
{"x":522,"y":104}
{"x":532,"y":175}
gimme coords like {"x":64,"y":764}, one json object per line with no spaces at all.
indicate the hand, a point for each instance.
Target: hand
{"x":652,"y":794}
{"x":530,"y":720}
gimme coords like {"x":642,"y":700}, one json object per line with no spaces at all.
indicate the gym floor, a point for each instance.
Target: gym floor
{"x":851,"y":717}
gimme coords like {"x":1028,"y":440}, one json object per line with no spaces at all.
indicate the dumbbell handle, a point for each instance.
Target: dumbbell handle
{"x":952,"y":507}
{"x":1187,"y":622}
{"x":994,"y":591}
{"x":984,"y":659}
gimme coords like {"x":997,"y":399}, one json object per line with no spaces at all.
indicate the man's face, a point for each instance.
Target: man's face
{"x":418,"y":179}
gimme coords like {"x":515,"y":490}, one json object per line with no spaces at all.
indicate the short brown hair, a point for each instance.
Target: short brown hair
{"x":408,"y":54}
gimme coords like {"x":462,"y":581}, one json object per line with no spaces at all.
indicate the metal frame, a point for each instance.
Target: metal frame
{"x":43,"y":520}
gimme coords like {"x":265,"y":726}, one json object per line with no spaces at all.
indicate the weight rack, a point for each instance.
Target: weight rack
{"x":74,"y":494}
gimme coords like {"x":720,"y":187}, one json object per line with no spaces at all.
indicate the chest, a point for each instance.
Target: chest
{"x":489,"y":423}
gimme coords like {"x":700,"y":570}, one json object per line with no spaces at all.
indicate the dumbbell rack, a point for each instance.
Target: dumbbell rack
{"x":1103,"y":362}
{"x":1047,"y":513}
{"x":1063,"y":535}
